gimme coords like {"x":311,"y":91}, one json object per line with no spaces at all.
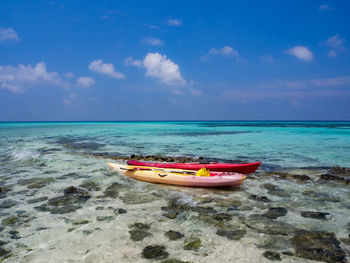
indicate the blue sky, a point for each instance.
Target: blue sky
{"x":174,"y":60}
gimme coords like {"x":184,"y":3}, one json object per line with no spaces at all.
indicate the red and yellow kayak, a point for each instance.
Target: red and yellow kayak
{"x":245,"y":168}
{"x":177,"y":176}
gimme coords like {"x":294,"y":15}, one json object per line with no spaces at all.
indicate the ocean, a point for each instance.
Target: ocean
{"x":59,"y":202}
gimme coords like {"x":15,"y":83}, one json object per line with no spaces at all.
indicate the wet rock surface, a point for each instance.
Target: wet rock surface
{"x":340,"y":174}
{"x":320,"y":246}
{"x":154,"y":252}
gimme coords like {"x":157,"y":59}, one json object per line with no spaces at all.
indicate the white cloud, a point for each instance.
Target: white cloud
{"x":177,"y":92}
{"x":324,"y":7}
{"x":129,"y":61}
{"x":267,"y":58}
{"x":332,"y":53}
{"x":174,"y":22}
{"x":158,"y":66}
{"x":106,"y":69}
{"x":152,"y":41}
{"x":85,"y":82}
{"x":17,"y":79}
{"x":226,"y":51}
{"x":195,"y":92}
{"x":8,"y":34}
{"x":69,"y":75}
{"x":70,"y":99}
{"x":300,"y":52}
{"x":335,"y":41}
{"x":151,"y":26}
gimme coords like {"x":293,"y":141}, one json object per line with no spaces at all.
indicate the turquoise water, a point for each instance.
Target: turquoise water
{"x":39,"y":160}
{"x":289,"y":144}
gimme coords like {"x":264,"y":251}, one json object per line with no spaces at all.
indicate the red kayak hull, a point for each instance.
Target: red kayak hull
{"x":245,"y":168}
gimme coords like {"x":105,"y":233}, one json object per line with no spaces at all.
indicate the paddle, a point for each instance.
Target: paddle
{"x":159,"y":170}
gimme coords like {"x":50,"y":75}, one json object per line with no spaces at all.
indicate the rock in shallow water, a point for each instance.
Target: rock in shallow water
{"x":8,"y":204}
{"x":231,"y":234}
{"x":11,"y":220}
{"x":275,"y":212}
{"x":91,"y":186}
{"x":154,"y":252}
{"x":192,"y":244}
{"x":315,"y":215}
{"x":71,"y":200}
{"x":173,"y":235}
{"x":259,"y":198}
{"x":320,"y":246}
{"x":271,"y":255}
{"x":138,"y":235}
{"x":36,"y":182}
{"x":174,"y":260}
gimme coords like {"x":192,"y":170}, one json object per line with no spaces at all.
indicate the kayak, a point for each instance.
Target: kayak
{"x":177,"y":177}
{"x":245,"y":168}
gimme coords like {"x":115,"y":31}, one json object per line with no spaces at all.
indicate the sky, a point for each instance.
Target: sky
{"x":174,"y":60}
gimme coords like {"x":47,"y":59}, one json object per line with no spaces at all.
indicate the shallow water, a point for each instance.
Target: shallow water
{"x":40,"y":160}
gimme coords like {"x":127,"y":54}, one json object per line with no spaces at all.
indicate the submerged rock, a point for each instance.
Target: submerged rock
{"x":262,"y":224}
{"x":91,"y":186}
{"x":154,"y":252}
{"x":275,"y":212}
{"x":37,"y":200}
{"x":271,"y":255}
{"x":259,"y":198}
{"x":11,"y":220}
{"x":274,"y":190}
{"x":120,"y":211}
{"x":174,"y":260}
{"x":138,"y":235}
{"x":340,"y":174}
{"x":228,"y":202}
{"x":80,"y":222}
{"x":132,"y":198}
{"x":174,"y":208}
{"x":8,"y":203}
{"x":275,"y":243}
{"x":192,"y":244}
{"x":71,"y":200}
{"x":173,"y":235}
{"x":104,"y":218}
{"x":316,"y":215}
{"x":139,"y":226}
{"x":231,"y":234}
{"x":113,"y":190}
{"x":320,"y":246}
{"x":283,"y":175}
{"x":4,"y":253}
{"x":34,"y":183}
